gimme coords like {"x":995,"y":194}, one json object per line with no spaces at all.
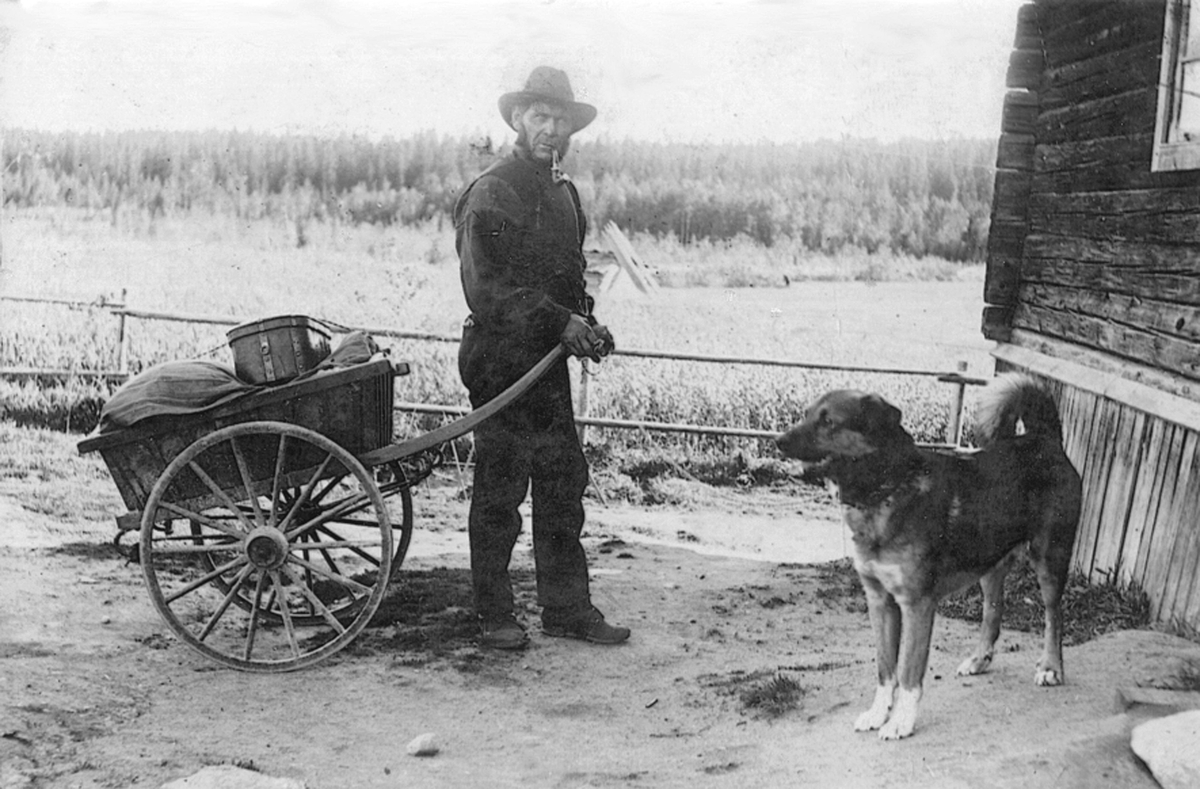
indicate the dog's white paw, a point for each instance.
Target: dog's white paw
{"x":1047,"y":677}
{"x":896,"y":729}
{"x":904,"y":716}
{"x":877,"y":715}
{"x":976,"y":664}
{"x":870,"y":720}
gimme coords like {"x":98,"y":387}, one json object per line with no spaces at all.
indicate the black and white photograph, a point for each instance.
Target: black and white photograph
{"x":599,"y":393}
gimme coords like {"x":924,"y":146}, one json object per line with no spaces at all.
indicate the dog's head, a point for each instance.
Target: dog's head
{"x":843,"y":424}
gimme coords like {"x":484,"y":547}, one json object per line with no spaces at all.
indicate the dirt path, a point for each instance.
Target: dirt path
{"x":94,"y":693}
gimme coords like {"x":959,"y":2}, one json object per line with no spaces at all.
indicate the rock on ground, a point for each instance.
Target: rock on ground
{"x":1168,"y":747}
{"x":423,"y":745}
{"x":226,"y":776}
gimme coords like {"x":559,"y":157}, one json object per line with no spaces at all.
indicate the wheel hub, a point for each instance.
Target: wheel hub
{"x":266,"y":548}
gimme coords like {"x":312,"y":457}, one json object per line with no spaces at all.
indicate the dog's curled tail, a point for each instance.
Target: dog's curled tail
{"x":1015,"y":404}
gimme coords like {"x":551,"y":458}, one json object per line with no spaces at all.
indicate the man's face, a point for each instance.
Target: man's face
{"x":543,"y":128}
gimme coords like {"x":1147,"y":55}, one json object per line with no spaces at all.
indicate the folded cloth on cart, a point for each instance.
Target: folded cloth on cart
{"x":172,"y":389}
{"x":355,"y":348}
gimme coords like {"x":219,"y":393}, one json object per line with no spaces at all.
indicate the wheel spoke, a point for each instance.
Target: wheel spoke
{"x":359,"y":522}
{"x":272,"y":599}
{"x":204,"y":579}
{"x":330,"y":562}
{"x":201,"y":518}
{"x":285,"y":613}
{"x":252,"y":626}
{"x":221,"y":495}
{"x":336,"y":577}
{"x":316,"y":499}
{"x":247,"y":482}
{"x":352,"y":545}
{"x":351,"y":505}
{"x":162,"y":547}
{"x":277,"y":480}
{"x":314,"y":600}
{"x":304,"y":494}
{"x":224,"y":606}
{"x":336,"y":512}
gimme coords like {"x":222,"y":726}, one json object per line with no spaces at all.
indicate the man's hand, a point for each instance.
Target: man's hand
{"x":587,"y":341}
{"x":606,"y":344}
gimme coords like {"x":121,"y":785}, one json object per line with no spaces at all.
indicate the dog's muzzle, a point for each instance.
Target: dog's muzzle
{"x":814,"y":471}
{"x":794,"y":444}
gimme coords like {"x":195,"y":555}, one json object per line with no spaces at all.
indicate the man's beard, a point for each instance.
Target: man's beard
{"x":523,"y":143}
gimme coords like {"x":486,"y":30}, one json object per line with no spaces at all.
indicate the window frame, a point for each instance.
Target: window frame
{"x":1171,"y":152}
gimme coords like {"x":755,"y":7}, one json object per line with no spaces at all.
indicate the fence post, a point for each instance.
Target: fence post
{"x":122,"y":337}
{"x":954,"y":428}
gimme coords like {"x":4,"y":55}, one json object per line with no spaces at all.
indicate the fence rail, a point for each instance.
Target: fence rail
{"x":123,"y":313}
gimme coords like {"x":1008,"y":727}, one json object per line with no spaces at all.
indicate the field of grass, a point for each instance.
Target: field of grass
{"x":733,"y":299}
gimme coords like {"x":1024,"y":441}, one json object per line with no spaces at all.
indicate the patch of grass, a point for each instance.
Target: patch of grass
{"x":72,"y":407}
{"x":824,"y":665}
{"x":1089,"y":610}
{"x":762,"y":693}
{"x":740,"y":262}
{"x":246,"y":764}
{"x":636,"y":474}
{"x":399,"y":277}
{"x":772,"y":698}
{"x":44,"y":472}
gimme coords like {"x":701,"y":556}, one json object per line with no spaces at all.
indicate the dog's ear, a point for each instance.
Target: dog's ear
{"x":879,"y":416}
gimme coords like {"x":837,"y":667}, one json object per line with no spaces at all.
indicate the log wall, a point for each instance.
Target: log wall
{"x":1093,"y":281}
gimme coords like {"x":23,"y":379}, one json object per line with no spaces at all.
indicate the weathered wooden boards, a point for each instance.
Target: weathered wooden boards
{"x":1094,"y":268}
{"x":1141,"y":479}
{"x":1076,"y":205}
{"x":1014,"y":164}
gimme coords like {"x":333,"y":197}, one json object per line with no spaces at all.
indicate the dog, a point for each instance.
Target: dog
{"x":927,"y":523}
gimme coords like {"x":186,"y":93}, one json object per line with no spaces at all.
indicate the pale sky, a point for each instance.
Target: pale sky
{"x":684,"y":70}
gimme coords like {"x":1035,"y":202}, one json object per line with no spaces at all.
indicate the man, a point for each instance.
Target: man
{"x":519,"y":234}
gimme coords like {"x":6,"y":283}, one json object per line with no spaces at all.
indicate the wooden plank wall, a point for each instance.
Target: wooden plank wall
{"x":1014,"y":166}
{"x":1141,"y":477}
{"x":1092,"y":250}
{"x":1110,"y":258}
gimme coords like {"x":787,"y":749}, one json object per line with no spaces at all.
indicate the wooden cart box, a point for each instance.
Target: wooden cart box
{"x":351,"y":406}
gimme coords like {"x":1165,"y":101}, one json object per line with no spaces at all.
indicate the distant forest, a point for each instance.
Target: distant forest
{"x":909,"y":197}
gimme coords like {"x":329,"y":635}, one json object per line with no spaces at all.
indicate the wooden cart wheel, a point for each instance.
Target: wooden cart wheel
{"x":340,"y":522}
{"x":279,"y":529}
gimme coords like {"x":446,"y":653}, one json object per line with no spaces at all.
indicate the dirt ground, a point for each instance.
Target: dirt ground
{"x":94,"y":692}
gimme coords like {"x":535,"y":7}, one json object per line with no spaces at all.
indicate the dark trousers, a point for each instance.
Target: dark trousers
{"x":530,"y":446}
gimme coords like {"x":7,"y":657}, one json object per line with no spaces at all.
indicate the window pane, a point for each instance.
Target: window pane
{"x":1192,"y":30}
{"x":1189,"y":105}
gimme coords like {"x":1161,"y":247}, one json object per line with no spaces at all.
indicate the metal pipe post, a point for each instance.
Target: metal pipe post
{"x":954,"y":428}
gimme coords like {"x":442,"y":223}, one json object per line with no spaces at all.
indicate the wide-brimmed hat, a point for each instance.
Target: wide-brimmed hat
{"x":548,"y":84}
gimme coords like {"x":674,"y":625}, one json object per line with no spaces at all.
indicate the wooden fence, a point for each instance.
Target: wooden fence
{"x":956,"y":379}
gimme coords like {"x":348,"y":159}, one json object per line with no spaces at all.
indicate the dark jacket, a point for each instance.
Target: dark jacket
{"x":519,"y":237}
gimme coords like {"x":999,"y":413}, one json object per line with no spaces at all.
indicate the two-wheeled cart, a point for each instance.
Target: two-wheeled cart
{"x":271,"y":526}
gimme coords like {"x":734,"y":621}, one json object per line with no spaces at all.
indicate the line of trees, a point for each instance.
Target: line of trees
{"x":909,"y":197}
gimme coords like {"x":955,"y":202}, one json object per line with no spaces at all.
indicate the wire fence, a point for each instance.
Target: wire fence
{"x":123,"y":314}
